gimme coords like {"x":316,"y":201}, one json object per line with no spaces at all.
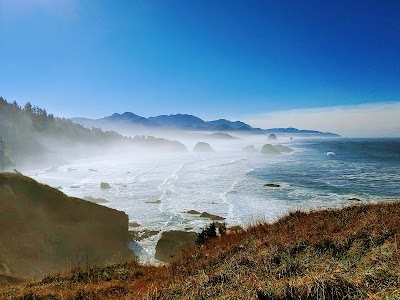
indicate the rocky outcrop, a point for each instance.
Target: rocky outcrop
{"x":269,"y":149}
{"x":171,"y":244}
{"x":202,"y":147}
{"x":105,"y":186}
{"x":355,"y":199}
{"x":44,"y":231}
{"x":249,"y":149}
{"x":211,"y":217}
{"x":272,"y":137}
{"x":273,"y":185}
{"x":193,"y":212}
{"x":283,"y":149}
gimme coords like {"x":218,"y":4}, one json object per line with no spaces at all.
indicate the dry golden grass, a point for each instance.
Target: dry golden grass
{"x":351,"y":253}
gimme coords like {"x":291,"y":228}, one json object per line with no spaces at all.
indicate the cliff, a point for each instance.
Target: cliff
{"x":43,"y":231}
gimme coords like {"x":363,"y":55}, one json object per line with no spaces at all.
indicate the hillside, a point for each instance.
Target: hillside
{"x":351,"y":253}
{"x":44,"y":231}
{"x":29,"y":134}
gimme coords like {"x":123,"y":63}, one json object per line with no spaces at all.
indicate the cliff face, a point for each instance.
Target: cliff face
{"x":43,"y":231}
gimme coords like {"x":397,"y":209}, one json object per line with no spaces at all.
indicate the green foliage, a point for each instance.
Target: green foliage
{"x":208,"y":233}
{"x":22,"y":130}
{"x":4,"y":161}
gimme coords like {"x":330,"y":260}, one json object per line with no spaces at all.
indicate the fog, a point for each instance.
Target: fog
{"x":156,"y":181}
{"x":367,"y":120}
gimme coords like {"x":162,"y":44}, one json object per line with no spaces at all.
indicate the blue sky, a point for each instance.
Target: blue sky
{"x":208,"y":58}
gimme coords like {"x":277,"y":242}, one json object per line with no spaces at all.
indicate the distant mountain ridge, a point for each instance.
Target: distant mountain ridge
{"x":186,"y":121}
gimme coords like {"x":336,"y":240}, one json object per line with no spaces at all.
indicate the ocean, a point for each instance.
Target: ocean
{"x":157,"y":190}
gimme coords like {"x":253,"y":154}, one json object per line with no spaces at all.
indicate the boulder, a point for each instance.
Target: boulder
{"x":272,"y":185}
{"x":355,"y":199}
{"x":249,"y":149}
{"x":171,"y":244}
{"x":193,"y":212}
{"x":105,"y":186}
{"x":211,"y":217}
{"x":134,"y":224}
{"x":203,"y":147}
{"x":143,"y":234}
{"x":283,"y":149}
{"x":272,"y":137}
{"x":269,"y":149}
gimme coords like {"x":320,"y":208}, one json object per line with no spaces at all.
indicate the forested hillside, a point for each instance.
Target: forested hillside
{"x":29,"y":133}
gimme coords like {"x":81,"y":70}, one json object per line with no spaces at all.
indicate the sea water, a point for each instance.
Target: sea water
{"x":320,"y":173}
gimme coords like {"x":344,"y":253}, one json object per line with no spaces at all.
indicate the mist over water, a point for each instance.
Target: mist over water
{"x":157,"y":188}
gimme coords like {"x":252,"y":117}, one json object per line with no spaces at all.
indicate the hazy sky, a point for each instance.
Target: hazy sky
{"x":213,"y":59}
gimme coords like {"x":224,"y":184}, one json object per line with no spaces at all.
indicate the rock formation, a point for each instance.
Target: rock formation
{"x":202,"y":147}
{"x":283,"y":149}
{"x":269,"y":149}
{"x":249,"y":149}
{"x":44,"y":231}
{"x":172,"y":243}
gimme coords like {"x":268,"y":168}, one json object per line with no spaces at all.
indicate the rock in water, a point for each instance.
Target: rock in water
{"x":172,"y":243}
{"x":249,"y":149}
{"x":272,"y":137}
{"x":283,"y":149}
{"x":203,"y":147}
{"x":272,"y":185}
{"x":269,"y":149}
{"x":193,"y":212}
{"x":105,"y":186}
{"x":355,"y":199}
{"x":211,"y":217}
{"x":134,"y":224}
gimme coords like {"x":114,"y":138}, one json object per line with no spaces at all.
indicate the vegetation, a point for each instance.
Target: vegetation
{"x":29,"y":133}
{"x":4,"y":160}
{"x":24,"y":130}
{"x":351,"y":253}
{"x":210,"y":232}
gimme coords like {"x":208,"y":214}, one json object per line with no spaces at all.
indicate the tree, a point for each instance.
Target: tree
{"x":2,"y":154}
{"x":28,"y":108}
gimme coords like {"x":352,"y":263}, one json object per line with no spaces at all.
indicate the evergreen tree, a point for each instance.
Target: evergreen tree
{"x":2,"y":154}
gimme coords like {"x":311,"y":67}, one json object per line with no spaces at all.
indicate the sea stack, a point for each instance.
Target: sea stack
{"x":203,"y":147}
{"x":283,"y":149}
{"x":272,"y":137}
{"x":249,"y":149}
{"x":269,"y":149}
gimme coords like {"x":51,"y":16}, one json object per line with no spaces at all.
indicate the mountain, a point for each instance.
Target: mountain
{"x":234,"y":125}
{"x":292,"y":130}
{"x":178,"y":121}
{"x":187,"y":122}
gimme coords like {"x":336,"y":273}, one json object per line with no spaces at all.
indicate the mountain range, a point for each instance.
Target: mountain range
{"x":188,"y":122}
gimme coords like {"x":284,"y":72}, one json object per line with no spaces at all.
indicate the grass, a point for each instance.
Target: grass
{"x":350,"y":253}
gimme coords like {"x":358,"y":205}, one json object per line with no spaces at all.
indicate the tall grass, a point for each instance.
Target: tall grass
{"x":350,"y":253}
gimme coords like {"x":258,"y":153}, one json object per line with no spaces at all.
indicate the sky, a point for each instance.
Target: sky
{"x":260,"y":61}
